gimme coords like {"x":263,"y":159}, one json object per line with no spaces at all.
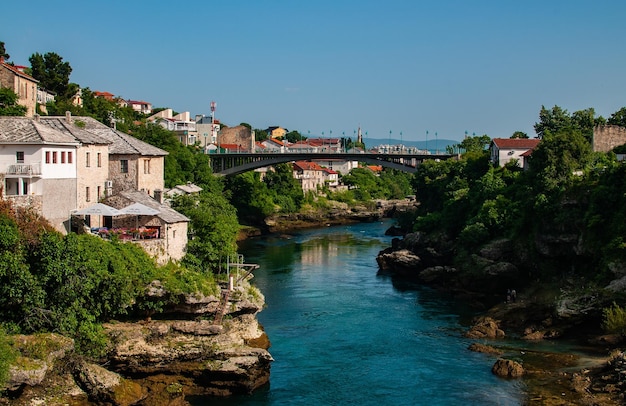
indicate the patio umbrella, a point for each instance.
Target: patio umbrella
{"x":99,"y":209}
{"x":139,"y":209}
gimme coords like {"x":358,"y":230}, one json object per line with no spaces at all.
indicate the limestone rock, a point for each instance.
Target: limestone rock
{"x":31,"y":369}
{"x":485,"y":327}
{"x":103,"y":385}
{"x":507,"y":368}
{"x":485,"y":349}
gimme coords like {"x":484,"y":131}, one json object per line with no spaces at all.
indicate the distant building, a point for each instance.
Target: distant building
{"x":276,"y":132}
{"x":181,"y":124}
{"x":504,"y":150}
{"x":312,"y":176}
{"x":140,"y":106}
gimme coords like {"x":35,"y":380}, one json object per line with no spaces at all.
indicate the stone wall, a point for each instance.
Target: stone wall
{"x":607,"y":137}
{"x":238,"y":135}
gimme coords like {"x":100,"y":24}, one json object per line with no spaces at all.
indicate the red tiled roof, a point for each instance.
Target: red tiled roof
{"x":515,"y":143}
{"x":18,"y":72}
{"x":308,"y":166}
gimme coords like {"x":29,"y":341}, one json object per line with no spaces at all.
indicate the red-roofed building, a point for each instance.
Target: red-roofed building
{"x":504,"y":150}
{"x":104,"y":95}
{"x":312,"y":176}
{"x":140,"y":106}
{"x":25,"y":86}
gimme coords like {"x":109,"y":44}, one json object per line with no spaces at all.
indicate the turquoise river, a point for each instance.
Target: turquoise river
{"x":343,"y":335}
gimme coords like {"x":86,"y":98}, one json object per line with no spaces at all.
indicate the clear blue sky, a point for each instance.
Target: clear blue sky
{"x":445,"y":66}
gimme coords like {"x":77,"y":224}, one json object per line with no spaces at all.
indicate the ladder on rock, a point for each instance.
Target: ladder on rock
{"x":222,"y":307}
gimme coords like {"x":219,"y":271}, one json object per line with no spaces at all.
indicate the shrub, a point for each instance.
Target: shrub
{"x":614,"y":319}
{"x":7,"y":356}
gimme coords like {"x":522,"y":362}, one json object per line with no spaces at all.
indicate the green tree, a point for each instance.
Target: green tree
{"x":53,"y":74}
{"x":3,"y":52}
{"x":475,"y":143}
{"x":618,"y":118}
{"x":213,"y":229}
{"x":9,"y":105}
{"x":552,"y":120}
{"x":519,"y":134}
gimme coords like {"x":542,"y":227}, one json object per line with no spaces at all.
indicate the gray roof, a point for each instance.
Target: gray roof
{"x":166,"y":214}
{"x":24,"y":130}
{"x":121,"y":143}
{"x":85,"y":130}
{"x":82,"y":135}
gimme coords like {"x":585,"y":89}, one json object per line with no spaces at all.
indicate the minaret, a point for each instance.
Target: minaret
{"x":359,"y":136}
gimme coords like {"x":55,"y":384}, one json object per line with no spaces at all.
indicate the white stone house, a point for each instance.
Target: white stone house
{"x":504,"y":150}
{"x":39,"y":169}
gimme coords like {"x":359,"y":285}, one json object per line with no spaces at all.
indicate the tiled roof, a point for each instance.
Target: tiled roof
{"x":121,"y":143}
{"x":166,"y":213}
{"x":515,"y":143}
{"x":48,"y":130}
{"x":18,"y":72}
{"x":24,"y":130}
{"x":84,"y":136}
{"x":307,"y":166}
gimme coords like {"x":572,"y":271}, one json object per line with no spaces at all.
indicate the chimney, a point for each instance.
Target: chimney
{"x":158,"y":195}
{"x":68,"y":117}
{"x":1,"y":59}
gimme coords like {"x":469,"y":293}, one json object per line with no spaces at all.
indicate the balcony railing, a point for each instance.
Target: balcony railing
{"x":24,"y":169}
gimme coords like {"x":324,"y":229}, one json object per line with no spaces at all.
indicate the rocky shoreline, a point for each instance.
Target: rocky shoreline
{"x":592,"y":374}
{"x":152,"y":362}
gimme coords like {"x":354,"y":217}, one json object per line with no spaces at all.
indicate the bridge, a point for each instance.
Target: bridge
{"x":233,"y":163}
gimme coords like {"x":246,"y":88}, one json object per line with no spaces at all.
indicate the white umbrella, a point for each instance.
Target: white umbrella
{"x":99,"y":209}
{"x":139,"y":209}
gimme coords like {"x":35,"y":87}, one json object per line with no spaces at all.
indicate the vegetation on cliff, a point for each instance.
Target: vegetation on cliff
{"x":566,"y":211}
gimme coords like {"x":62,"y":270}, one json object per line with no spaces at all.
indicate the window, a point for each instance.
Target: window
{"x":47,"y":157}
{"x":87,"y":198}
{"x":54,"y":157}
{"x":20,"y":157}
{"x":87,"y":164}
{"x":62,"y":157}
{"x":146,"y":166}
{"x":124,"y":165}
{"x":99,"y":190}
{"x":69,"y":157}
{"x":99,"y":160}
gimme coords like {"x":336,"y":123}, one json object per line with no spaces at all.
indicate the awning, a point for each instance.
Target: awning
{"x":99,"y":209}
{"x":139,"y":209}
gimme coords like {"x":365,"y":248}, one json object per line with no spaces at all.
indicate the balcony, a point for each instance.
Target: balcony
{"x":21,"y":170}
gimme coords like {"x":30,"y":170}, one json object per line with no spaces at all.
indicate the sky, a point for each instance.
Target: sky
{"x":401,"y":69}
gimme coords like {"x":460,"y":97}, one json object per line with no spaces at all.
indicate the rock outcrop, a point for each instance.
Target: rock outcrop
{"x":156,"y":362}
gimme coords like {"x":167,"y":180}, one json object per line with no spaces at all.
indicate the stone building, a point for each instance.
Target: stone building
{"x":607,"y":137}
{"x":170,"y":225}
{"x":25,"y":86}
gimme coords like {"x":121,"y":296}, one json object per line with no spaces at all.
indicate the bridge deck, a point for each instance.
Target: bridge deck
{"x":235,"y":163}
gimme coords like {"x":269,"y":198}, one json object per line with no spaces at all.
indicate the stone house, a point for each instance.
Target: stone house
{"x":38,"y":166}
{"x":170,"y":225}
{"x":25,"y":86}
{"x":132,"y":164}
{"x":504,"y":150}
{"x":312,"y":176}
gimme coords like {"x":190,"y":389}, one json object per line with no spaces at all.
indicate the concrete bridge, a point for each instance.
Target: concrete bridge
{"x":227,"y":164}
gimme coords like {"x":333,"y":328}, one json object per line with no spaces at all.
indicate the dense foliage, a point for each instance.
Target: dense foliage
{"x":566,"y":189}
{"x":8,"y":103}
{"x":70,"y":284}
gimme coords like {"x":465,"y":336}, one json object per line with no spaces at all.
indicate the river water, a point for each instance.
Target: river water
{"x":342,"y":335}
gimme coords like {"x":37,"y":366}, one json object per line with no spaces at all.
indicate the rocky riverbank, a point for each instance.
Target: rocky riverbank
{"x":564,"y":309}
{"x":151,"y":362}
